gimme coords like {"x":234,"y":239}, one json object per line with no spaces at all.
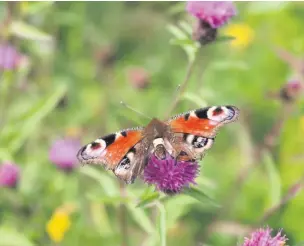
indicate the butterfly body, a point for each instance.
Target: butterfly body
{"x":185,"y":137}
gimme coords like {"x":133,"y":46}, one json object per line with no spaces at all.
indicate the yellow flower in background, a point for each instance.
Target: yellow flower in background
{"x":24,"y":6}
{"x":60,"y":222}
{"x":242,"y":33}
{"x":58,"y":225}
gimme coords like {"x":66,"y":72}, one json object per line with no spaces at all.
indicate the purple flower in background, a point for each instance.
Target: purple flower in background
{"x":294,"y":84}
{"x":63,"y":153}
{"x":263,"y":237}
{"x":291,"y":90}
{"x":9,"y":57}
{"x":9,"y":174}
{"x":170,"y":176}
{"x":138,"y":77}
{"x":214,"y":13}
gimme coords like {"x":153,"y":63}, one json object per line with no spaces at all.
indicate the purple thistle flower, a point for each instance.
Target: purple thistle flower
{"x":210,"y":16}
{"x":63,"y":153}
{"x":9,"y":57}
{"x":214,"y":13}
{"x":262,"y":237}
{"x":9,"y":175}
{"x":170,"y":176}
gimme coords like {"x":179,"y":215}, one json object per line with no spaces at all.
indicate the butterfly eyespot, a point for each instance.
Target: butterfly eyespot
{"x":199,"y":142}
{"x":125,"y":163}
{"x":98,"y":144}
{"x":93,"y":150}
{"x":217,"y":111}
{"x":95,"y":145}
{"x":220,"y":114}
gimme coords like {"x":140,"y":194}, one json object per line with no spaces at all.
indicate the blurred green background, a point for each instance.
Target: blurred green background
{"x":80,"y":59}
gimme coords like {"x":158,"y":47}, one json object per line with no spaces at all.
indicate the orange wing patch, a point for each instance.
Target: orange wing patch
{"x":194,"y":125}
{"x":122,"y":144}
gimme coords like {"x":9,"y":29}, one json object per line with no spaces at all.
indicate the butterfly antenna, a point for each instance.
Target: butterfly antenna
{"x":134,"y":110}
{"x":176,"y":92}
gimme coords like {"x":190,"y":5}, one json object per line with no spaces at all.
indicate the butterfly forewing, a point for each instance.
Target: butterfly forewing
{"x":194,"y":132}
{"x":204,"y":122}
{"x":110,"y":150}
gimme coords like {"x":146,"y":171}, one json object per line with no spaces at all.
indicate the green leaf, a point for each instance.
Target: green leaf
{"x":101,"y":219}
{"x":20,"y":128}
{"x":193,"y":97}
{"x":300,"y":244}
{"x":266,"y":7}
{"x":162,"y":224}
{"x":30,"y":177}
{"x":182,"y":42}
{"x":184,"y":205}
{"x":23,"y":30}
{"x":109,"y":185}
{"x":186,"y":27}
{"x":11,"y":237}
{"x":176,"y":32}
{"x":114,"y":200}
{"x":200,"y":196}
{"x":141,"y":218}
{"x":274,"y":179}
{"x":36,"y":7}
{"x":178,"y":7}
{"x":224,"y":39}
{"x":228,"y":65}
{"x":2,"y":11}
{"x":181,"y":38}
{"x":148,"y":199}
{"x":5,"y":155}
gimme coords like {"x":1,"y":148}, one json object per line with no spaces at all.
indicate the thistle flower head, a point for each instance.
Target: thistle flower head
{"x":138,"y":77}
{"x":63,"y":153}
{"x":9,"y":57}
{"x":291,"y":90}
{"x":263,"y":237}
{"x":9,"y":174}
{"x":169,"y":175}
{"x":214,"y":13}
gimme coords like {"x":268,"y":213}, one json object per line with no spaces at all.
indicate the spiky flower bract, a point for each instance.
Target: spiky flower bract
{"x":262,"y":237}
{"x":169,"y":175}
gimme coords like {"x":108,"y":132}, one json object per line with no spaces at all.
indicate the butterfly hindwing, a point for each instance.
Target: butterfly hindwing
{"x":133,"y":163}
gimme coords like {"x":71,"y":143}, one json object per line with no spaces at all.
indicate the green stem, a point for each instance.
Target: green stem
{"x":123,"y":215}
{"x":5,"y":84}
{"x":182,"y":87}
{"x":290,"y":194}
{"x":162,"y":224}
